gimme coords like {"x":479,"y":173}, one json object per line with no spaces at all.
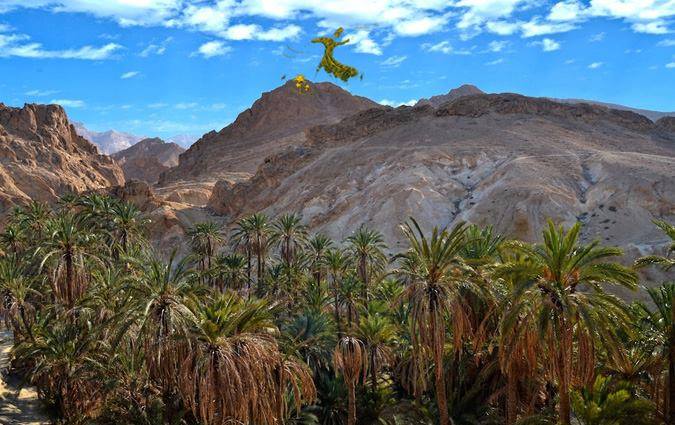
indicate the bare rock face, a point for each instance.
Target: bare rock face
{"x":42,"y":157}
{"x":666,"y":123}
{"x":276,"y":120}
{"x":147,"y":159}
{"x":456,"y":93}
{"x":507,"y":160}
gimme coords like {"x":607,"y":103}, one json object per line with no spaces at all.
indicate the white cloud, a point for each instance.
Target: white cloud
{"x":158,"y":105}
{"x":185,"y":105}
{"x":363,"y":43}
{"x":495,"y":62}
{"x":69,"y":103}
{"x":394,"y":61}
{"x":547,"y":45}
{"x":130,"y":74}
{"x":502,"y":27}
{"x":212,"y":48}
{"x":497,"y":46}
{"x":395,"y":104}
{"x":597,"y":37}
{"x":595,"y":65}
{"x":535,"y":28}
{"x":155,"y":49}
{"x":670,"y":65}
{"x":653,"y":27}
{"x":566,"y":11}
{"x":19,"y":45}
{"x":40,"y":93}
{"x":444,"y":47}
{"x":255,"y":32}
{"x":668,"y":42}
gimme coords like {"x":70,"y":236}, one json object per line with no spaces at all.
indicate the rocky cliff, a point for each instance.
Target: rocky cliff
{"x":42,"y":156}
{"x":147,"y":159}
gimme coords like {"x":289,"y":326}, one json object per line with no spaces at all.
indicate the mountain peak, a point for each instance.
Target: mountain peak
{"x":463,"y":90}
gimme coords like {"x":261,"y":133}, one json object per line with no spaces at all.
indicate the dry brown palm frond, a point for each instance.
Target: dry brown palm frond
{"x":350,"y":358}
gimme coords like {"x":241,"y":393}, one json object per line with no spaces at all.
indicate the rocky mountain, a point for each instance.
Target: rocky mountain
{"x":502,"y":159}
{"x":109,"y":141}
{"x":147,"y":159}
{"x":463,"y":90}
{"x":183,"y":140}
{"x":652,"y":115}
{"x":276,"y":120}
{"x":42,"y":156}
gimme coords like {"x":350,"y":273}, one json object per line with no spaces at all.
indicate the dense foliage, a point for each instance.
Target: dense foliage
{"x":267,"y":324}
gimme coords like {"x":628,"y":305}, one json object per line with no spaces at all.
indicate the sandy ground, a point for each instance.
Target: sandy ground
{"x":18,"y":406}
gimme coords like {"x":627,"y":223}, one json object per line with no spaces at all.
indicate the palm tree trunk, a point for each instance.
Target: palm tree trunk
{"x":337,"y":312}
{"x":511,"y":398}
{"x":69,"y":276}
{"x":441,"y":397}
{"x":351,"y":419}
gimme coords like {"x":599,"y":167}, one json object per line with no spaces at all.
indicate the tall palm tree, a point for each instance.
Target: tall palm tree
{"x":289,"y":235}
{"x":235,"y":371}
{"x":257,"y":228}
{"x":562,"y":296}
{"x":319,"y":245}
{"x":162,"y":299}
{"x":367,"y":248}
{"x":378,"y":335}
{"x":18,"y":294}
{"x":230,"y":271}
{"x":68,"y":246}
{"x":243,"y":240}
{"x":336,"y":262}
{"x":663,"y":319}
{"x":204,"y":240}
{"x":127,"y":225}
{"x":349,"y":358}
{"x":435,"y":279}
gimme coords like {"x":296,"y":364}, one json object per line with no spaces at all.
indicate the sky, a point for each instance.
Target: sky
{"x":168,"y":67}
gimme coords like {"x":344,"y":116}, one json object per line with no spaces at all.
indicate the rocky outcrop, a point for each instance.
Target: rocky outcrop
{"x":147,"y":159}
{"x":666,"y":123}
{"x":507,"y":160}
{"x":42,"y":157}
{"x":277,"y":120}
{"x":456,"y":93}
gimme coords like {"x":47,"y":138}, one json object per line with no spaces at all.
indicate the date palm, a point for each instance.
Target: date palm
{"x":18,"y":294}
{"x":336,"y":262}
{"x":378,"y":335}
{"x":66,"y":249}
{"x":434,"y":282}
{"x":562,"y":296}
{"x":127,"y":225}
{"x":289,"y":235}
{"x":349,"y":358}
{"x":367,"y":248}
{"x":319,"y":246}
{"x":235,"y":371}
{"x":230,"y":271}
{"x":204,"y":240}
{"x":255,"y":230}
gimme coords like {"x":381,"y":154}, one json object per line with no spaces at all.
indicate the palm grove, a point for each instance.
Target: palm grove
{"x":267,"y":324}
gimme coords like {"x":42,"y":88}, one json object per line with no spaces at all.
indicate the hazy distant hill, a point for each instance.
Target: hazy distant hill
{"x":147,"y":159}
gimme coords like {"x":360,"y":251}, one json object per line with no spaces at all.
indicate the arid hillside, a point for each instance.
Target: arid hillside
{"x":147,"y":159}
{"x":42,"y":157}
{"x":501,"y":159}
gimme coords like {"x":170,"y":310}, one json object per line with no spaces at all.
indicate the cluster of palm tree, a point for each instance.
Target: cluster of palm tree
{"x":266,"y":323}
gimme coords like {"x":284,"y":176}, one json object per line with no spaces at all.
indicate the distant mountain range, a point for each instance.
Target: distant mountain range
{"x":112,"y":141}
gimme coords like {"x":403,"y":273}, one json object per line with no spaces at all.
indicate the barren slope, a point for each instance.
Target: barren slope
{"x":506,"y":160}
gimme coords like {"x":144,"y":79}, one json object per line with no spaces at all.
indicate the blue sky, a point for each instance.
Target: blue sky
{"x":166,"y":67}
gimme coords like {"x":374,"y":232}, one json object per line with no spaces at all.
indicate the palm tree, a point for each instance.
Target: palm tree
{"x":12,"y":239}
{"x":319,"y":245}
{"x":17,"y":298}
{"x":433,"y":292}
{"x":349,"y":358}
{"x":243,"y":239}
{"x":378,"y":335}
{"x":663,"y":319}
{"x":235,"y":372}
{"x":367,"y":248}
{"x":561,"y":295}
{"x":289,"y":235}
{"x":127,"y":225}
{"x":336,"y":263}
{"x":254,"y":230}
{"x":161,"y":311}
{"x":204,"y":240}
{"x":67,"y":247}
{"x":230,"y":271}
